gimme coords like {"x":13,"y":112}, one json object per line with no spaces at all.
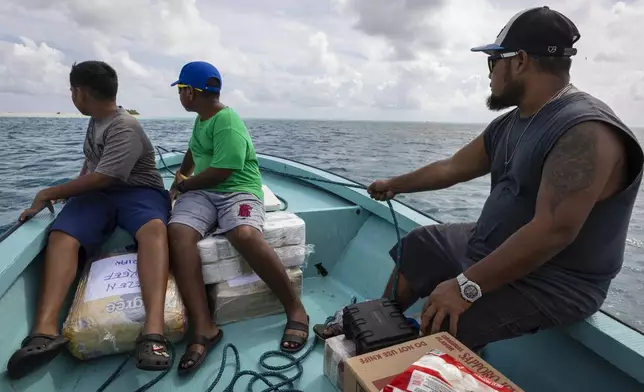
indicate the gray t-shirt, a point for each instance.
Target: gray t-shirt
{"x":118,"y":147}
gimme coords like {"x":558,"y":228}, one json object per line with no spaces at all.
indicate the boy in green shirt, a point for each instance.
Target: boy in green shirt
{"x":220,"y":186}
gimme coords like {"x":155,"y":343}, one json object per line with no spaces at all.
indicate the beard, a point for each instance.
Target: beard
{"x":510,"y":96}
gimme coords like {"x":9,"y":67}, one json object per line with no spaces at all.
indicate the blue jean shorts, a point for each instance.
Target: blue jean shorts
{"x":91,"y":218}
{"x":218,"y":213}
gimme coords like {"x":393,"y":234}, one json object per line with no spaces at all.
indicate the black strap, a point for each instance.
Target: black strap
{"x":296,"y":325}
{"x":202,"y":340}
{"x":152,"y":337}
{"x":29,"y":338}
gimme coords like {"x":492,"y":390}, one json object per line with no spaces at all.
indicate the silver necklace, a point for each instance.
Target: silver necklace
{"x":557,"y":95}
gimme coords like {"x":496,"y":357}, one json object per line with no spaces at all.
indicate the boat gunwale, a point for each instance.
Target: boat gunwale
{"x":616,"y":342}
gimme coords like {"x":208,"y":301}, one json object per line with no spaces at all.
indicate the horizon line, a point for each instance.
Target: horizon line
{"x":160,"y":117}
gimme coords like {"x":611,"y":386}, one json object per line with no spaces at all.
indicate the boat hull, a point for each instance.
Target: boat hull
{"x":352,"y":235}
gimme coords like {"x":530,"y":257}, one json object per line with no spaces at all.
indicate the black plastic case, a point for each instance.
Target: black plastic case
{"x":376,"y":324}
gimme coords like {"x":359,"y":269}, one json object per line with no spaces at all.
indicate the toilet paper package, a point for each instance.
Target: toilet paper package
{"x":281,"y":228}
{"x":107,"y":313}
{"x":236,"y":266}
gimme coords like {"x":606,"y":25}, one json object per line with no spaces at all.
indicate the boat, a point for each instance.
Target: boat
{"x":352,"y":234}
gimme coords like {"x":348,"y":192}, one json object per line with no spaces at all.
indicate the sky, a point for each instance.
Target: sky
{"x":390,"y":60}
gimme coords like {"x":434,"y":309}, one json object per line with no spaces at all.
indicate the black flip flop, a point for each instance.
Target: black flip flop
{"x":152,"y":352}
{"x":319,"y":329}
{"x":194,"y":356}
{"x":289,"y":338}
{"x":35,"y":350}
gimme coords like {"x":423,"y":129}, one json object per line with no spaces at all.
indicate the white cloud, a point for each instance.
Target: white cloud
{"x":30,"y":68}
{"x":369,"y":59}
{"x":408,"y":25}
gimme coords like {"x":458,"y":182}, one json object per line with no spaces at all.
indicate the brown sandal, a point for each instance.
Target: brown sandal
{"x":36,"y":350}
{"x":196,"y":357}
{"x":290,"y":338}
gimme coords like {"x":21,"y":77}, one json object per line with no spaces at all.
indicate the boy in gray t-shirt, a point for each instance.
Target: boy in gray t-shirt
{"x":118,"y":186}
{"x":118,"y":147}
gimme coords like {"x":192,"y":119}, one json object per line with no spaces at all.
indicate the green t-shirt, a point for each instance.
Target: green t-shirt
{"x":223,"y":142}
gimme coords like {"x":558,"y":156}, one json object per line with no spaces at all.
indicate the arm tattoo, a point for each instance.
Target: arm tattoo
{"x":572,"y":164}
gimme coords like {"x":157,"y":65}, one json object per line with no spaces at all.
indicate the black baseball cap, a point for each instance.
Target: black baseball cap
{"x":538,"y":31}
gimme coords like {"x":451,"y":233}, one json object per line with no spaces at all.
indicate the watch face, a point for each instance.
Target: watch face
{"x":470,"y":291}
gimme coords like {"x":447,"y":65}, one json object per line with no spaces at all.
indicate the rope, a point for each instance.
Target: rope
{"x":394,"y":283}
{"x":165,"y":166}
{"x":285,"y":207}
{"x":273,"y":371}
{"x":151,"y":382}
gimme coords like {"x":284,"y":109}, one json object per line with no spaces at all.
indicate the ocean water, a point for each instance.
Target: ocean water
{"x":40,"y":152}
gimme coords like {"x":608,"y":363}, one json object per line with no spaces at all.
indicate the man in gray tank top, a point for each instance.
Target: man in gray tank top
{"x":565,"y":172}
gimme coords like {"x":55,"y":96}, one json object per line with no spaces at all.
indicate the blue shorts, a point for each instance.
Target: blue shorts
{"x":91,"y":218}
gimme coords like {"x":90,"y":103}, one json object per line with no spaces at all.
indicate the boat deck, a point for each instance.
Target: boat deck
{"x":322,"y":296}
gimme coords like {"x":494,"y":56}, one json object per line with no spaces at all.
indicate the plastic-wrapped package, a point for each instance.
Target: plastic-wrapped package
{"x":236,"y":266}
{"x":248,"y":297}
{"x":281,"y":228}
{"x":336,"y":351}
{"x":107,"y":313}
{"x":222,"y":270}
{"x":440,"y":372}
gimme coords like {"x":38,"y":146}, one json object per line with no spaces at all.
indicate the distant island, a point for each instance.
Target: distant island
{"x":133,"y":112}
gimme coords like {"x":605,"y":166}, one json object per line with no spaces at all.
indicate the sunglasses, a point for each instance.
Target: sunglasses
{"x":180,"y":86}
{"x":492,"y":60}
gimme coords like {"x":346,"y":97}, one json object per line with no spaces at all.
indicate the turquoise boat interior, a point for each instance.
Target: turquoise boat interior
{"x":352,"y":235}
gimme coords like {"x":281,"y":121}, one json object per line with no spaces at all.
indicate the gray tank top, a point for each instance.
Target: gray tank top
{"x":575,"y":282}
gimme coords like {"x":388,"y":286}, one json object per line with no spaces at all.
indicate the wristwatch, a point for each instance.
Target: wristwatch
{"x":470,"y":291}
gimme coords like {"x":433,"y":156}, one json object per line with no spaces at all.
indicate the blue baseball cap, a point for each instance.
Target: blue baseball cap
{"x":196,"y":74}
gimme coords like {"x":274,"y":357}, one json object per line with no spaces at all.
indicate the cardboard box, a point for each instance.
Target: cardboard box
{"x":373,"y":371}
{"x":249,"y":297}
